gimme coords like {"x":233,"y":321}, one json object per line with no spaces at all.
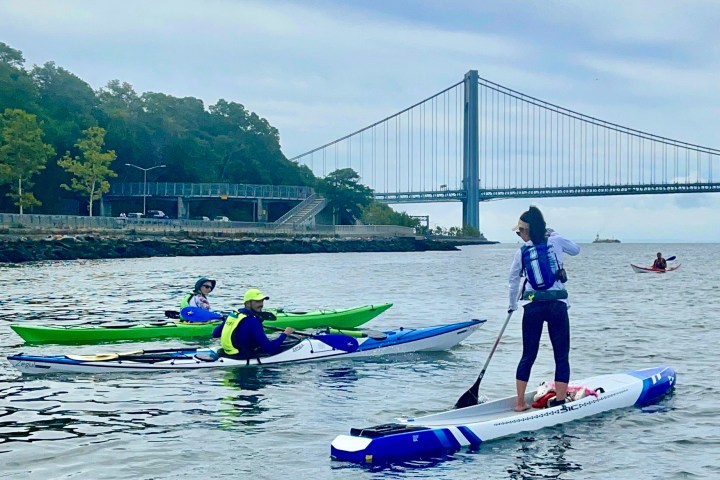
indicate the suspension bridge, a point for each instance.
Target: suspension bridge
{"x":477,"y":141}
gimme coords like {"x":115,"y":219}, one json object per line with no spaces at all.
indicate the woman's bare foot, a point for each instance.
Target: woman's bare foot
{"x":521,"y":407}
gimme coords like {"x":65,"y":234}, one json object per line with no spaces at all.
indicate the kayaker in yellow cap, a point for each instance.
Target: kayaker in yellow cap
{"x":243,"y":335}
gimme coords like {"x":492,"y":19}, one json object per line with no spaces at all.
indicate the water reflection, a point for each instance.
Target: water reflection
{"x":251,"y":379}
{"x":245,"y":405}
{"x":338,"y":377}
{"x":543,"y":458}
{"x":41,"y":413}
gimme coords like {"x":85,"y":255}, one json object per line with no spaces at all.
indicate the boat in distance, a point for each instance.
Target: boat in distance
{"x":639,"y":269}
{"x":469,"y":427}
{"x":605,"y":240}
{"x":83,"y":334}
{"x":403,"y":340}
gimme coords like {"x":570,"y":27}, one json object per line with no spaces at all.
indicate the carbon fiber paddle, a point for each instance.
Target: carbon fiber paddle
{"x":470,"y":397}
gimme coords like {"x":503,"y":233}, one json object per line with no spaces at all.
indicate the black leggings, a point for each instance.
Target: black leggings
{"x":555,"y":314}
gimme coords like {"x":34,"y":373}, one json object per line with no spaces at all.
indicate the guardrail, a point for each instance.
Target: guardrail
{"x":209,"y":190}
{"x":149,"y":225}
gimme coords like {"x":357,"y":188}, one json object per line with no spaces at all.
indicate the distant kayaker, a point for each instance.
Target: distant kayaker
{"x":242,"y":334}
{"x":199,"y":296}
{"x":541,"y":258}
{"x":660,"y":263}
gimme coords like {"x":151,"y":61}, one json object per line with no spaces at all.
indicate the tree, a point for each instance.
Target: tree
{"x":22,"y":155}
{"x":469,"y":231}
{"x":66,"y":106}
{"x":11,"y":56}
{"x":380,"y":214}
{"x":120,"y":114}
{"x":16,"y":86}
{"x":92,"y":171}
{"x":345,"y":194}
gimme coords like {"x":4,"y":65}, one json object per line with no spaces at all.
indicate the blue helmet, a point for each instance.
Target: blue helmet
{"x":202,"y":280}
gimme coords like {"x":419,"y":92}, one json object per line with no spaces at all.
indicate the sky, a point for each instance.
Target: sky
{"x":318,"y":70}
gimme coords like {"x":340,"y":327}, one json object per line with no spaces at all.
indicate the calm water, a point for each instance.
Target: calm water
{"x":279,"y":422}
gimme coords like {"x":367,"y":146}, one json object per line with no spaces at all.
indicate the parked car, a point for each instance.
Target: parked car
{"x":221,"y":218}
{"x":202,"y":218}
{"x":135,"y":215}
{"x":156,"y":214}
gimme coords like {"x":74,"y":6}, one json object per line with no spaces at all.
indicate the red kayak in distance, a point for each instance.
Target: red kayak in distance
{"x":638,"y":269}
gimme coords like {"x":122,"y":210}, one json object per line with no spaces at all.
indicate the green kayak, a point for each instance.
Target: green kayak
{"x":75,"y":334}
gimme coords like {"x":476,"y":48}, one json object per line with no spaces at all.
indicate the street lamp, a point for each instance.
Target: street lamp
{"x":145,"y":170}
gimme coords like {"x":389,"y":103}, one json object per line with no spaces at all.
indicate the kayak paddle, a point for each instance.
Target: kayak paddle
{"x":470,"y":397}
{"x":103,"y":357}
{"x":338,"y":342}
{"x":670,"y":259}
{"x":361,"y":333}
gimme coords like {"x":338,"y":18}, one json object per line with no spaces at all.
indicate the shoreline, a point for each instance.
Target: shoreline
{"x":30,"y":246}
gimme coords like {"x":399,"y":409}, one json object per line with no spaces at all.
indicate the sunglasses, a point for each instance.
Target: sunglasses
{"x":207,"y":286}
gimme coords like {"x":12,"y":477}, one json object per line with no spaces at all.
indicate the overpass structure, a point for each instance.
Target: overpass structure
{"x":183,"y":195}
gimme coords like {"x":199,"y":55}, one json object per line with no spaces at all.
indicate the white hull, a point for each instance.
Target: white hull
{"x":638,"y":269}
{"x":308,"y":350}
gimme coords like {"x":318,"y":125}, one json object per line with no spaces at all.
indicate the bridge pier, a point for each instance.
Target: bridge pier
{"x":183,"y":209}
{"x":261,"y":212}
{"x":471,"y":149}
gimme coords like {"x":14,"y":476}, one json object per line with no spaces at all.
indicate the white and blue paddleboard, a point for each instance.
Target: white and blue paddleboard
{"x":471,"y":426}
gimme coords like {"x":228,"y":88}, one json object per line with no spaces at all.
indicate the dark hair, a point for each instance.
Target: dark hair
{"x":534,"y":217}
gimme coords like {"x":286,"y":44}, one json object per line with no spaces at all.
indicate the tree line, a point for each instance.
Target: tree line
{"x":58,"y":135}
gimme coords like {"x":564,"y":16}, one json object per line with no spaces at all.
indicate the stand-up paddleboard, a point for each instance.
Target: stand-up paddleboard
{"x":471,"y":426}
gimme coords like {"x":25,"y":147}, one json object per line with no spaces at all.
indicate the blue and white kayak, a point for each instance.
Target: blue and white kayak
{"x":469,"y":427}
{"x":403,"y":340}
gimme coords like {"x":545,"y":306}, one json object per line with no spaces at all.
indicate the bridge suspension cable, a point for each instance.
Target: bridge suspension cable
{"x":526,"y":147}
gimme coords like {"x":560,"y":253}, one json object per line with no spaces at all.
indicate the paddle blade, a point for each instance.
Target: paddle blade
{"x":469,"y":398}
{"x":359,"y":333}
{"x":195,"y":314}
{"x":338,"y":342}
{"x":670,"y":259}
{"x":172,"y":314}
{"x":102,"y":357}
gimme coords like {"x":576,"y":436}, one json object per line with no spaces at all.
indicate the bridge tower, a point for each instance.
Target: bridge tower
{"x":471,"y":159}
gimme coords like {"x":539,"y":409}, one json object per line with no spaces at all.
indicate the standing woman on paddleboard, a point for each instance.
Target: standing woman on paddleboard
{"x":540,"y":259}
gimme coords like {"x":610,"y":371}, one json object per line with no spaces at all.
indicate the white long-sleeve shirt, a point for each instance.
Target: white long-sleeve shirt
{"x":560,"y":245}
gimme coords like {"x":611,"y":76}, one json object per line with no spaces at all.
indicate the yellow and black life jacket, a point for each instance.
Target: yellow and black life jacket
{"x":231,"y":323}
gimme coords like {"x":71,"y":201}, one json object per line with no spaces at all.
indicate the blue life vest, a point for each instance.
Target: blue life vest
{"x":539,"y":265}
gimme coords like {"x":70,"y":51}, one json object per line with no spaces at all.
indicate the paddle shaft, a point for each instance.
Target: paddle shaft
{"x":339,"y":342}
{"x":471,"y":396}
{"x":492,"y":352}
{"x":99,"y":357}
